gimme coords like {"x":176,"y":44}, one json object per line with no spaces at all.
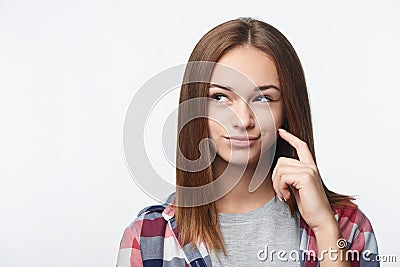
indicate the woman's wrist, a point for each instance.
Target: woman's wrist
{"x":329,"y":226}
{"x":328,"y":236}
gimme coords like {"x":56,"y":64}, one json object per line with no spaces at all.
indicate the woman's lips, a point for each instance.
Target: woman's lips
{"x":241,"y":141}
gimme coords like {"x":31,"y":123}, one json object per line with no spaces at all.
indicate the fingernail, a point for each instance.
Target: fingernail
{"x":282,"y":130}
{"x":279,"y":198}
{"x":285,"y":199}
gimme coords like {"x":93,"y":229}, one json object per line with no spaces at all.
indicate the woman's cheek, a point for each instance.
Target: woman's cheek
{"x":269,"y":120}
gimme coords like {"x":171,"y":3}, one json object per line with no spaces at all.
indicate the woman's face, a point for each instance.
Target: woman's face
{"x":245,"y":106}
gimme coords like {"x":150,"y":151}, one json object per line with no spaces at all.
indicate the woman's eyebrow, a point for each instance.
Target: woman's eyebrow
{"x":265,"y":87}
{"x":261,"y":88}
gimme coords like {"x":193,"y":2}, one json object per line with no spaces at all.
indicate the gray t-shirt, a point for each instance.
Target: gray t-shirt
{"x":256,"y":238}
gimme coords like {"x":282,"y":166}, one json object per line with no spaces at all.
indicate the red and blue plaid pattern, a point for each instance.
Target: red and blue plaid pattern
{"x":152,"y":240}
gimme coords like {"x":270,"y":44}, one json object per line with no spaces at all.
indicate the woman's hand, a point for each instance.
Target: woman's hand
{"x":303,"y":177}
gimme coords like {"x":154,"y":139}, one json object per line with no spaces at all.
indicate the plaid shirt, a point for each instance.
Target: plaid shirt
{"x":152,"y":240}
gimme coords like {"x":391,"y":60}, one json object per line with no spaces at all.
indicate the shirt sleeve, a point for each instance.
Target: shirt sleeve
{"x":362,"y":247}
{"x":129,"y":254}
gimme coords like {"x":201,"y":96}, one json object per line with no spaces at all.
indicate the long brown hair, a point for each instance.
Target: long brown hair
{"x":201,"y":221}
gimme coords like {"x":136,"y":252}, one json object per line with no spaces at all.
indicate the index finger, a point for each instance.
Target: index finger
{"x":301,"y":147}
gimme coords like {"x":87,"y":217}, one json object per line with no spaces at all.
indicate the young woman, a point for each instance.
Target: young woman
{"x":277,"y":211}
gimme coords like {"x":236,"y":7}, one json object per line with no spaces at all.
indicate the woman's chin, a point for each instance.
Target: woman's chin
{"x":241,"y":160}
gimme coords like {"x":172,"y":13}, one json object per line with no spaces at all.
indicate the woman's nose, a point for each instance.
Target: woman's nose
{"x":244,"y":116}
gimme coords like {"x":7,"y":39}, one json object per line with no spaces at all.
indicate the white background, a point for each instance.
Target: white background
{"x":69,"y":69}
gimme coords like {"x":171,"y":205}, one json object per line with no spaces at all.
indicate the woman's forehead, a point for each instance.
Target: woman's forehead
{"x":245,"y":67}
{"x":232,"y":79}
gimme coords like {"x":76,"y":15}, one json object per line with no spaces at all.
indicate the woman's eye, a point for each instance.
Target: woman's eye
{"x":219,"y":97}
{"x":263,"y":98}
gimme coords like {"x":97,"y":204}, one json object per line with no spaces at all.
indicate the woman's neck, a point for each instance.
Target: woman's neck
{"x":239,"y":199}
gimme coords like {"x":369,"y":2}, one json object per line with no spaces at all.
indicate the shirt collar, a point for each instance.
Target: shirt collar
{"x":169,"y":210}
